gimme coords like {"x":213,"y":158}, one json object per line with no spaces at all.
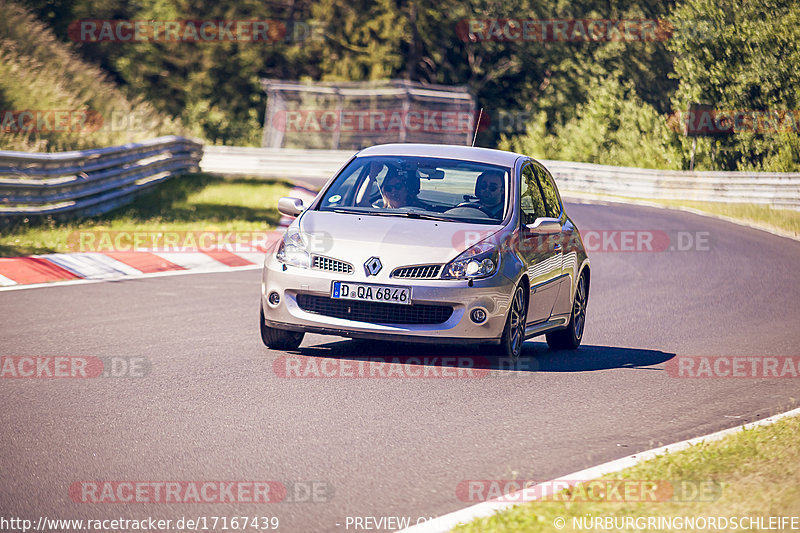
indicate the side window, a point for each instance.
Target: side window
{"x":342,"y":193}
{"x":553,"y":206}
{"x":530,"y":197}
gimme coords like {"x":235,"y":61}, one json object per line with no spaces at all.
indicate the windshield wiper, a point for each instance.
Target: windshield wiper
{"x":426,"y":216}
{"x":350,"y":211}
{"x":368,"y":212}
{"x":407,"y":214}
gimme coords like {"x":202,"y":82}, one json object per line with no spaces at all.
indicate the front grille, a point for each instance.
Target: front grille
{"x":375,"y":312}
{"x":417,"y":272}
{"x":331,"y":265}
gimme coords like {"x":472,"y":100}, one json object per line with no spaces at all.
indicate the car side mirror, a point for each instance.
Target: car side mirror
{"x":545,"y":225}
{"x":291,"y":207}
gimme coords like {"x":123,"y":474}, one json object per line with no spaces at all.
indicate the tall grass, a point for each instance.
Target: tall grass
{"x":39,"y":72}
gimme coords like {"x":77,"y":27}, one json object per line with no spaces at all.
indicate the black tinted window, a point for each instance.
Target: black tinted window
{"x":530,"y":197}
{"x":550,"y":195}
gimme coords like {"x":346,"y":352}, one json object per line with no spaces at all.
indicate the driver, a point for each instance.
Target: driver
{"x":490,"y":191}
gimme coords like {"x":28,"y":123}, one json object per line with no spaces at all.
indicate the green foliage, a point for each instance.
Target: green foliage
{"x":214,"y":86}
{"x":614,"y":127}
{"x":740,"y":56}
{"x":362,"y":39}
{"x":37,"y":72}
{"x":603,"y":101}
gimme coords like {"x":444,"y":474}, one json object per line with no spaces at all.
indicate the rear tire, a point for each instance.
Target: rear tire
{"x":570,"y":337}
{"x":514,"y":332}
{"x":279,"y":339}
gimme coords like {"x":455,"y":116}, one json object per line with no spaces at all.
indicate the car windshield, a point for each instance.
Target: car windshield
{"x":420,"y":187}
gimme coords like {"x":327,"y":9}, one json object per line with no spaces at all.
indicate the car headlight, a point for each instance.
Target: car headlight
{"x":478,"y":261}
{"x":293,"y":250}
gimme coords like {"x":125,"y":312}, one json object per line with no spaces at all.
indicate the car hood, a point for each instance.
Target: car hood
{"x":397,"y":241}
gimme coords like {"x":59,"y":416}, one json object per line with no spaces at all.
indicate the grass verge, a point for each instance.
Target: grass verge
{"x":196,"y":202}
{"x":756,"y":473}
{"x":784,"y":220}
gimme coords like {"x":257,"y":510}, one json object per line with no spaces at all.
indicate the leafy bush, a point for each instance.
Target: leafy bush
{"x":614,"y":127}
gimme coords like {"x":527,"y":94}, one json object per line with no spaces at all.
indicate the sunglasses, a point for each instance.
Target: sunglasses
{"x":491,"y":187}
{"x":394,"y":186}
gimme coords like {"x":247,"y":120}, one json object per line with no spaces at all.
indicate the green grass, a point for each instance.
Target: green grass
{"x":784,"y":219}
{"x":191,"y":202}
{"x":757,"y":473}
{"x":787,"y":220}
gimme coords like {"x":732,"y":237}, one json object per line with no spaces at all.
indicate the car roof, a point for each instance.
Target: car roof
{"x":446,"y":151}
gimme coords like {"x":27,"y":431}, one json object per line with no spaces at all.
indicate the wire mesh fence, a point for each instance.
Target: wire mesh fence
{"x":353,"y":115}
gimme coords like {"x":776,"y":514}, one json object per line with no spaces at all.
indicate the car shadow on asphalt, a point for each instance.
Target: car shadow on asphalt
{"x":536,"y":356}
{"x":592,"y":357}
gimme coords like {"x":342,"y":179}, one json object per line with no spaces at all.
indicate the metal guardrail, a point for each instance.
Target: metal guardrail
{"x":89,"y":182}
{"x":777,"y":189}
{"x":316,"y":166}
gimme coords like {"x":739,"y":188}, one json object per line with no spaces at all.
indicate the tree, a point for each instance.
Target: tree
{"x":614,"y":127}
{"x":741,"y":56}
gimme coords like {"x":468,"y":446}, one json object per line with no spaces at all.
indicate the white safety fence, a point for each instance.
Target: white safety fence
{"x":316,"y":166}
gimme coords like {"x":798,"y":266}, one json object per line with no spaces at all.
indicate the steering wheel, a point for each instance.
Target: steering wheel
{"x":470,"y":210}
{"x":474,"y":205}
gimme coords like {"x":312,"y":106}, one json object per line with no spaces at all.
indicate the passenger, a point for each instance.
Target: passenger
{"x":398,"y":191}
{"x":490,"y":191}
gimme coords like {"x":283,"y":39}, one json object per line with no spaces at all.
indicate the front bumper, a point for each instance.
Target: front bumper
{"x":491,"y":294}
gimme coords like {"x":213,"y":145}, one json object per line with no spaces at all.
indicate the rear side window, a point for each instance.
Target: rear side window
{"x":552,"y":205}
{"x":530,"y":197}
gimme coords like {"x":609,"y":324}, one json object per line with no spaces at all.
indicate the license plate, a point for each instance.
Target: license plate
{"x":371,"y":293}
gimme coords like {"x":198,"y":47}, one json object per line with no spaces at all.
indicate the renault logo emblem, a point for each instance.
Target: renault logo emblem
{"x":373,"y":266}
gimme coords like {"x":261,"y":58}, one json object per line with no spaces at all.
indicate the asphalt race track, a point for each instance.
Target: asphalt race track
{"x":210,"y":407}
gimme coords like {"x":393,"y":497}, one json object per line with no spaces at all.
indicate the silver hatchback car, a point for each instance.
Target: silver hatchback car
{"x":429,"y":243}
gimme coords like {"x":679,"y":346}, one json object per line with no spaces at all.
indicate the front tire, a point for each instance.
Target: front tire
{"x":570,"y":337}
{"x":514,"y":332}
{"x":279,"y":339}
